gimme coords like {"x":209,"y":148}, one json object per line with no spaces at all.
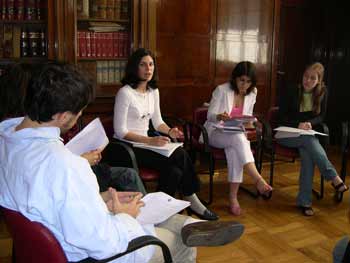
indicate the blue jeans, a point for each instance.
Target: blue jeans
{"x":311,"y":153}
{"x":339,"y":250}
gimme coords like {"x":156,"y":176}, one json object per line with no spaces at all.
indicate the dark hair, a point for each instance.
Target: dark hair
{"x":131,"y":77}
{"x":57,"y":88}
{"x":243,"y":68}
{"x":13,"y":87}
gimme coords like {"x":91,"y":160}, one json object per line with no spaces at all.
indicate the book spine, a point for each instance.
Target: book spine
{"x":82,"y":44}
{"x":98,"y":45}
{"x":1,"y":40}
{"x":93,"y":44}
{"x":99,"y":72}
{"x":24,"y":43}
{"x":34,"y":40}
{"x":117,"y":5}
{"x":124,"y":12}
{"x":88,"y":44}
{"x":38,"y":9}
{"x":109,"y":44}
{"x":115,"y":45}
{"x":2,"y":9}
{"x":43,"y":44}
{"x":7,"y":49}
{"x":29,"y":10}
{"x":10,"y":7}
{"x":16,"y":42}
{"x":110,"y":9}
{"x":19,"y":8}
{"x":111,"y":78}
{"x":103,"y":45}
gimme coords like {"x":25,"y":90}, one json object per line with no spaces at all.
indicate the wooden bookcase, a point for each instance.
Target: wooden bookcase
{"x":27,"y":32}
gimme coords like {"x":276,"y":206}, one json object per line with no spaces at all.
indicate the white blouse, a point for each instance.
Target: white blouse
{"x":133,"y":110}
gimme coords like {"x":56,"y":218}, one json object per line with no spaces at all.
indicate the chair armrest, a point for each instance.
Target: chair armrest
{"x":140,"y":242}
{"x":204,"y":133}
{"x":120,"y":154}
{"x":324,"y":140}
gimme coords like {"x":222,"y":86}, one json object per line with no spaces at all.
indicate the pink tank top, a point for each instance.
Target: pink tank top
{"x":236,"y":111}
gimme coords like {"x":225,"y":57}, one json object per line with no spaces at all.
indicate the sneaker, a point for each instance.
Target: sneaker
{"x":210,"y":234}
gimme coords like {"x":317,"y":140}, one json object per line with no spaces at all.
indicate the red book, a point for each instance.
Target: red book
{"x":103,"y":45}
{"x":126,"y":45}
{"x":109,"y":44}
{"x":82,"y":44}
{"x":120,"y":44}
{"x":88,"y":44}
{"x":93,"y":44}
{"x":115,"y":45}
{"x":19,"y":9}
{"x":98,"y":45}
{"x":10,"y":5}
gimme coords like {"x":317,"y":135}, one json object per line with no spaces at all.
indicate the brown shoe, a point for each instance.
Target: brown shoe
{"x":210,"y":234}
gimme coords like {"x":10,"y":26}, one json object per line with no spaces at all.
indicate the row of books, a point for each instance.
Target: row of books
{"x":17,"y":42}
{"x":103,"y":45}
{"x":103,"y":9}
{"x":105,"y":72}
{"x":23,"y":9}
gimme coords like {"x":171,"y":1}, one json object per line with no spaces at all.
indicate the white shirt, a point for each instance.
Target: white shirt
{"x":133,"y":110}
{"x":44,"y":181}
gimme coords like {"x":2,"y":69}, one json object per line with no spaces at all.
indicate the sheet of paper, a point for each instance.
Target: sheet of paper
{"x":239,"y":120}
{"x":92,"y":137}
{"x":287,"y":132}
{"x":165,"y":150}
{"x":159,"y":207}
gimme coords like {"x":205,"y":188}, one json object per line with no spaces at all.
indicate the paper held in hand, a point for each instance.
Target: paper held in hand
{"x":159,"y":207}
{"x":92,"y":137}
{"x":239,"y":120}
{"x":165,"y":150}
{"x":290,"y":132}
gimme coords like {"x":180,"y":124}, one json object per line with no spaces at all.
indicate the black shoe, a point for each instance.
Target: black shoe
{"x":207,"y":215}
{"x":211,"y":234}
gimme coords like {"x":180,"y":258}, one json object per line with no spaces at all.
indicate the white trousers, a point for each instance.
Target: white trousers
{"x":170,"y":233}
{"x":237,"y":151}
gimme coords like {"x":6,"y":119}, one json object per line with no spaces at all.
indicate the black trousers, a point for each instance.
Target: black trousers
{"x":176,"y":172}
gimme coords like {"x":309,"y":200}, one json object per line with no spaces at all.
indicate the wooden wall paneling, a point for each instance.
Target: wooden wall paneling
{"x":274,"y":53}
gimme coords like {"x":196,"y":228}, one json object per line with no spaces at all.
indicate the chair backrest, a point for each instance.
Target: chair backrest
{"x":199,"y":117}
{"x":272,"y":117}
{"x":32,"y":241}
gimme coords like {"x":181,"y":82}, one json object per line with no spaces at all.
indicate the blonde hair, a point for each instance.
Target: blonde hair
{"x":319,"y":90}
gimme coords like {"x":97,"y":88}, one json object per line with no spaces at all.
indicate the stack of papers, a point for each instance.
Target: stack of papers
{"x":165,"y":150}
{"x":92,"y":137}
{"x":159,"y":207}
{"x":290,"y":132}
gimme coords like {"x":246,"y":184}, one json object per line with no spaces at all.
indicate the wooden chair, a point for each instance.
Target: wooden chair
{"x":194,"y":131}
{"x":34,"y":243}
{"x":274,"y":149}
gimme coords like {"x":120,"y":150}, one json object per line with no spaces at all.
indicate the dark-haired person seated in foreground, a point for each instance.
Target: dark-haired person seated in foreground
{"x":43,"y":180}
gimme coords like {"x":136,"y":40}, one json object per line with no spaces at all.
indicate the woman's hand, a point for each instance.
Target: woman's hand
{"x":223,"y":116}
{"x":305,"y":126}
{"x":158,"y":140}
{"x":175,"y":133}
{"x":93,"y":157}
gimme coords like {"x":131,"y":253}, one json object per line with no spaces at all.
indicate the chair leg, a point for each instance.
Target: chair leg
{"x":339,"y":196}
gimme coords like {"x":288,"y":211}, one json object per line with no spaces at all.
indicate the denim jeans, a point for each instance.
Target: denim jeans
{"x":311,"y":154}
{"x":339,"y":250}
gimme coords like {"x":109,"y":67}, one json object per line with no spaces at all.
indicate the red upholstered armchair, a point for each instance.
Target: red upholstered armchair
{"x":273,"y":149}
{"x":34,"y":243}
{"x":196,"y":128}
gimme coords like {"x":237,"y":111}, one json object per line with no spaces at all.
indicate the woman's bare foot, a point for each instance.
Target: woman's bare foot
{"x":263,"y":187}
{"x":235,"y":208}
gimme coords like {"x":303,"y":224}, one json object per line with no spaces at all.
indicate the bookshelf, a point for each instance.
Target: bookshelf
{"x":103,"y":41}
{"x":26,"y":31}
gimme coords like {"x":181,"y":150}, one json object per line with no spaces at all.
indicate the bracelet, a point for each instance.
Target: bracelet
{"x":169,"y":131}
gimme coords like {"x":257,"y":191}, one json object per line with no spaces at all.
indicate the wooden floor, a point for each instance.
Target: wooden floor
{"x":275,"y":231}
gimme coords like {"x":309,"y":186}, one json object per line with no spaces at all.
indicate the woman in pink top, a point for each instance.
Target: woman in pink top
{"x":235,"y":98}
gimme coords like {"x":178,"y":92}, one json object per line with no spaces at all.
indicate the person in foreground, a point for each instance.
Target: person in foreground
{"x":136,"y":103}
{"x":45,"y":182}
{"x":304,"y":107}
{"x":234,"y":99}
